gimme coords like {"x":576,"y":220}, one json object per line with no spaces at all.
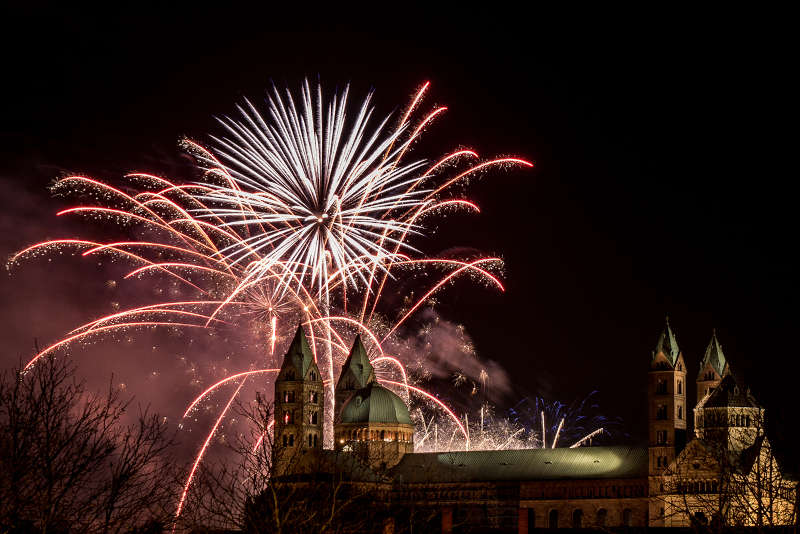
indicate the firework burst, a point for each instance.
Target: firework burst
{"x":303,"y":214}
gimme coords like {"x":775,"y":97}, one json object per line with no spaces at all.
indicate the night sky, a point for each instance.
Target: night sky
{"x":664,"y":181}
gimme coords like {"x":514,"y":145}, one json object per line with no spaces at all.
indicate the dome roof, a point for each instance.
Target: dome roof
{"x":375,"y":404}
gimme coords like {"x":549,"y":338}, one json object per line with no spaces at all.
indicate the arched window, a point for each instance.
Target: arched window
{"x":291,"y":440}
{"x":680,"y":412}
{"x":661,"y":411}
{"x":627,"y":517}
{"x":577,"y":518}
{"x":699,"y":519}
{"x":680,"y":387}
{"x":310,"y":441}
{"x":287,"y":418}
{"x":315,"y":440}
{"x":552,"y":520}
{"x":383,"y":435}
{"x":285,"y":438}
{"x":313,"y":376}
{"x":661,"y":387}
{"x":313,"y":418}
{"x":602,"y":516}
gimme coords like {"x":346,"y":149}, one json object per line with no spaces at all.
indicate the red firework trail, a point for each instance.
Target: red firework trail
{"x":292,"y":218}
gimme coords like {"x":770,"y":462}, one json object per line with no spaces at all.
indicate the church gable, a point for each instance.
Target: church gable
{"x":696,"y":459}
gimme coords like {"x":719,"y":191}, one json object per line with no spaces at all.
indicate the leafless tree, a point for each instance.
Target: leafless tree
{"x":729,"y":479}
{"x":271,"y":488}
{"x":70,"y":463}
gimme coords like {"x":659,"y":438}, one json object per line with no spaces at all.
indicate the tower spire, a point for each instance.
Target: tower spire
{"x":667,"y":344}
{"x":357,"y":373}
{"x":299,"y":354}
{"x":714,"y":355}
{"x":713,"y":368}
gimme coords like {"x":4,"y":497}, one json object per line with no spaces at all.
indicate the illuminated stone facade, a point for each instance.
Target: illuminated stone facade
{"x":725,"y":474}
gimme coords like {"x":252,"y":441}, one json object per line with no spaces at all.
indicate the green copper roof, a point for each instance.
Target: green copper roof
{"x":357,"y":371}
{"x":713,"y":357}
{"x":375,"y":404}
{"x":527,"y":464}
{"x":668,"y":344}
{"x":299,"y":354}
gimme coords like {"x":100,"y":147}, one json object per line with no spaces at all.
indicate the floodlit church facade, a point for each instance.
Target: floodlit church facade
{"x":721,"y":472}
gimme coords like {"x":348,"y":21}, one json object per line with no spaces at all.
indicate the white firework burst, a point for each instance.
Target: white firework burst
{"x":319,"y":196}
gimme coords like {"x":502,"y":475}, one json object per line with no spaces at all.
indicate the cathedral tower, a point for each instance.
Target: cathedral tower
{"x":357,"y":373}
{"x":712,"y":368}
{"x":666,"y":414}
{"x":666,"y":397}
{"x":299,"y":399}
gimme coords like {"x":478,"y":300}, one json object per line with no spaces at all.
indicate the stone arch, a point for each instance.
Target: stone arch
{"x":602,"y":517}
{"x":627,"y":517}
{"x":577,"y":518}
{"x":552,"y":519}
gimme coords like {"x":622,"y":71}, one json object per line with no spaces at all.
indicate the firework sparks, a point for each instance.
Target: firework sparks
{"x":300,"y":210}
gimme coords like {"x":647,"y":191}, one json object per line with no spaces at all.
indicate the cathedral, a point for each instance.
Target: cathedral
{"x":711,"y":466}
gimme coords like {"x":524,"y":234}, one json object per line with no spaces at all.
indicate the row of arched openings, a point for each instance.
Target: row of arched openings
{"x":313,"y":440}
{"x":697,"y":486}
{"x":364,"y":434}
{"x":578,"y":519}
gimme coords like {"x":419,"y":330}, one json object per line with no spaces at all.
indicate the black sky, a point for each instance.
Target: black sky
{"x":664,"y":179}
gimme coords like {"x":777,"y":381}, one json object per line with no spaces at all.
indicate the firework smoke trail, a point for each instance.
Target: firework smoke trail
{"x":296,"y":212}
